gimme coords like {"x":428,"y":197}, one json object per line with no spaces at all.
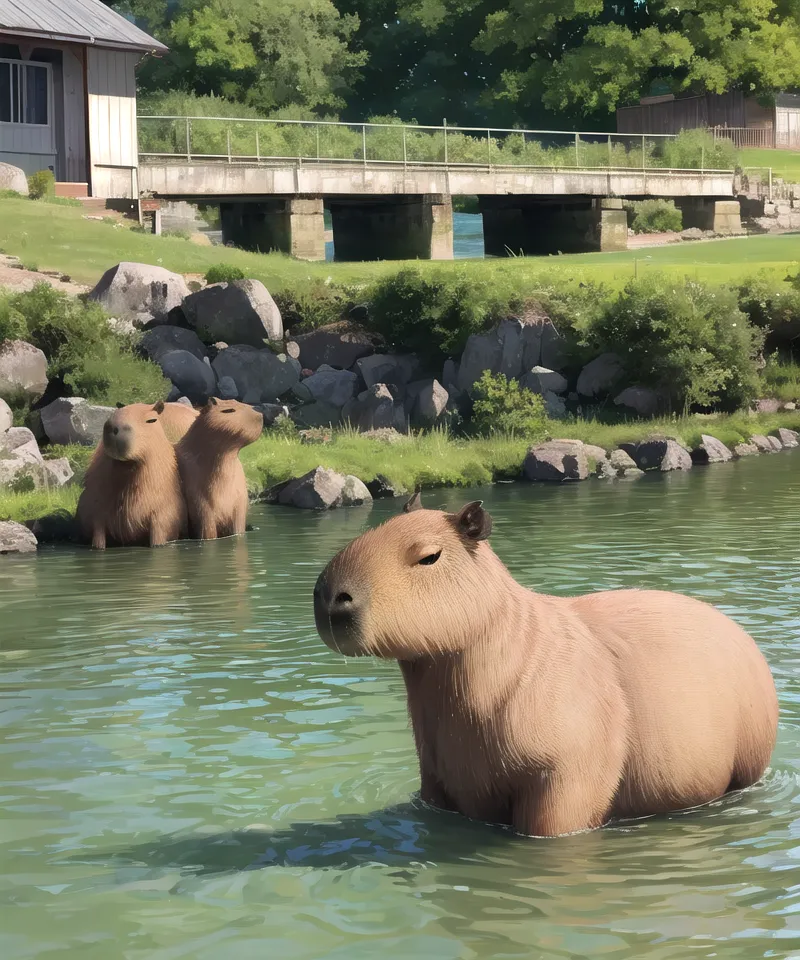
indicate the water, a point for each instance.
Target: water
{"x":187,"y":772}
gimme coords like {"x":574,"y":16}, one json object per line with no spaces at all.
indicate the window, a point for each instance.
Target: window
{"x":24,"y":93}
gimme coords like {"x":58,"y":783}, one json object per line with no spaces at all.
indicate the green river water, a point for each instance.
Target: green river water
{"x":187,"y":772}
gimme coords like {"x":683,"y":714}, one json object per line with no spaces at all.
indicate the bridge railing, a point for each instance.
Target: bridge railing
{"x":264,"y":141}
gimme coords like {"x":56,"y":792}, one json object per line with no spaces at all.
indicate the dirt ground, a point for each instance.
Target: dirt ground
{"x":13,"y":278}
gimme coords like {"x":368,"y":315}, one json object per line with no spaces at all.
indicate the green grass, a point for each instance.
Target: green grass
{"x":784,"y":163}
{"x":37,"y":503}
{"x":782,"y":380}
{"x":60,"y":239}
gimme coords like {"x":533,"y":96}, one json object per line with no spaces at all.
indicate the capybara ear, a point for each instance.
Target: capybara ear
{"x":159,"y":407}
{"x":473,"y":521}
{"x":120,"y":405}
{"x":213,"y":401}
{"x":415,"y":503}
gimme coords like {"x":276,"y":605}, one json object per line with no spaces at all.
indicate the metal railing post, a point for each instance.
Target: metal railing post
{"x":364,"y":142}
{"x":577,"y":151}
{"x":317,"y":141}
{"x":445,"y":140}
{"x":770,"y":184}
{"x":702,"y":158}
{"x":228,"y":132}
{"x":188,"y":138}
{"x":489,"y":146}
{"x":258,"y":147}
{"x":610,"y":152}
{"x":405,"y":156}
{"x":644,"y":155}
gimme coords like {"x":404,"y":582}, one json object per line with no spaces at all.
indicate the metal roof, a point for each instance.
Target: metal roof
{"x":78,"y":21}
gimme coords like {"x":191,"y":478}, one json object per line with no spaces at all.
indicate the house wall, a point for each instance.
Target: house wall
{"x":712,"y":110}
{"x":112,"y":122}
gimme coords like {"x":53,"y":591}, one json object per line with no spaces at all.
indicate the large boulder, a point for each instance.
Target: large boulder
{"x":23,"y":371}
{"x":659,"y":453}
{"x":317,"y":414}
{"x":541,"y":380}
{"x":190,"y":376}
{"x":73,"y":420}
{"x":450,"y":375}
{"x":20,"y":443}
{"x":766,"y":444}
{"x":140,"y":292}
{"x":6,"y":417}
{"x":13,"y":178}
{"x":321,"y":489}
{"x":339,"y":345}
{"x":641,"y":400}
{"x":430,"y":402}
{"x":746,"y":450}
{"x":710,"y":450}
{"x":238,"y":312}
{"x":393,"y":370}
{"x":622,"y":464}
{"x":332,"y":386}
{"x":165,"y":338}
{"x":375,"y":408}
{"x":261,"y":376}
{"x":59,"y":471}
{"x":556,"y":460}
{"x":15,"y":538}
{"x":481,"y":353}
{"x":788,"y":438}
{"x":600,"y":375}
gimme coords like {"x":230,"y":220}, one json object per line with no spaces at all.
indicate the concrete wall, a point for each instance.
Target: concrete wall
{"x":408,"y":228}
{"x":291,"y":225}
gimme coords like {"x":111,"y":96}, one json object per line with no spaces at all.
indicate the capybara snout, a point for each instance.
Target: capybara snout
{"x":339,"y":606}
{"x":125,"y":433}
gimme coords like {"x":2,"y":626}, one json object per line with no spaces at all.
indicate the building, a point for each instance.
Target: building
{"x":68,"y":93}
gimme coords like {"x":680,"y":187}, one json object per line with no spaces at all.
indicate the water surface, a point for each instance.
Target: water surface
{"x":187,"y":772}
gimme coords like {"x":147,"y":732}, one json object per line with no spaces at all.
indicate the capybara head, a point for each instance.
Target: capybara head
{"x":420,"y":584}
{"x":129,"y":431}
{"x":234,"y":424}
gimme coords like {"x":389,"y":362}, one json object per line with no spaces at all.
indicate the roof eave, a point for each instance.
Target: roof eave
{"x":154,"y":46}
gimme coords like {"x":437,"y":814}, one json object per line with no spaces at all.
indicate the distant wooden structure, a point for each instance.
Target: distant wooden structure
{"x":732,"y":115}
{"x":68,"y":94}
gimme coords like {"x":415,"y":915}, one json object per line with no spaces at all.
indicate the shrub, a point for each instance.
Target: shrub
{"x":654,"y":216}
{"x":503,"y":406}
{"x":692,"y":149}
{"x":685,"y":339}
{"x":41,"y":184}
{"x":284,"y":426}
{"x":114,"y":374}
{"x":774,"y":306}
{"x":12,"y":323}
{"x":224,"y":273}
{"x":312,"y":304}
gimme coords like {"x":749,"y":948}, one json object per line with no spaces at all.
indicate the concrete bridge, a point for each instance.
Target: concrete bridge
{"x":402,"y":208}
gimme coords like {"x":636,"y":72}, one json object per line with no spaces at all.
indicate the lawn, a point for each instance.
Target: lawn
{"x":784,"y":163}
{"x":59,"y":238}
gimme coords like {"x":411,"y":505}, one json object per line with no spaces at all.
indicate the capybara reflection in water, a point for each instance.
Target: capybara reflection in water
{"x":213,"y":477}
{"x":132,"y":493}
{"x":176,"y":418}
{"x":549,"y":714}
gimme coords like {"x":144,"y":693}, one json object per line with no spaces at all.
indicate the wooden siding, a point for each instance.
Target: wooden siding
{"x":73,"y":161}
{"x":112,"y":121}
{"x":712,"y":110}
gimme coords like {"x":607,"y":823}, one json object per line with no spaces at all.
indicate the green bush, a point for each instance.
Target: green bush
{"x":312,"y":304}
{"x":114,"y":374}
{"x":654,"y":216}
{"x":774,"y":306}
{"x":12,"y":323}
{"x":41,"y":184}
{"x":224,"y":273}
{"x":503,"y":406}
{"x":687,"y":340}
{"x":693,"y":149}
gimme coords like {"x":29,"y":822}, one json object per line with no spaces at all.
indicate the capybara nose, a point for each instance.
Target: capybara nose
{"x":115,"y":431}
{"x":333,"y":602}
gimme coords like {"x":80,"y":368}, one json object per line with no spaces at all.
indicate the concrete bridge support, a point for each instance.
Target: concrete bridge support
{"x":514,"y":225}
{"x":393,"y":228}
{"x":721,"y":216}
{"x":291,"y":225}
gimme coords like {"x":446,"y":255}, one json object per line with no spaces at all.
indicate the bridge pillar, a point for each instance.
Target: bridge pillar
{"x":393,"y":228}
{"x":539,"y":225}
{"x":721,"y":216}
{"x":291,"y":225}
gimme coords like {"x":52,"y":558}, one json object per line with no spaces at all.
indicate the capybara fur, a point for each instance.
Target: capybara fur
{"x":212,"y":474}
{"x":549,"y":714}
{"x":176,"y":420}
{"x":132,"y":493}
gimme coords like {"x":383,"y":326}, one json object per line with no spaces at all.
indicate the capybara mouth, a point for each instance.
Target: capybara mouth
{"x":343,"y":635}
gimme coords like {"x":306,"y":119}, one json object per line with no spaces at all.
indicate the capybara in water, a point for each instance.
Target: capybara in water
{"x":132,"y":493}
{"x":176,"y":418}
{"x":212,"y":474}
{"x":549,"y":714}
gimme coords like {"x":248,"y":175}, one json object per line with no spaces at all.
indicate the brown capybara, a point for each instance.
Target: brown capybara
{"x":176,"y":418}
{"x":132,"y":494}
{"x":212,"y":474}
{"x":549,"y":714}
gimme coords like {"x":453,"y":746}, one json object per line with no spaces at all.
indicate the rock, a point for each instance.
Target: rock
{"x":554,"y":405}
{"x":593,"y":452}
{"x":190,"y":376}
{"x":766,"y":444}
{"x":271,"y":411}
{"x":622,"y":461}
{"x":450,"y":375}
{"x":431,"y":402}
{"x":599,"y":375}
{"x":553,"y":347}
{"x":385,"y":435}
{"x":509,"y":333}
{"x":293,"y":349}
{"x":389,"y":369}
{"x":256,"y":373}
{"x":23,"y":371}
{"x":541,"y":380}
{"x":375,"y":408}
{"x":339,"y":345}
{"x":788,"y":438}
{"x":165,"y":338}
{"x":227,"y":389}
{"x":641,"y":400}
{"x":140,"y":292}
{"x":660,"y":453}
{"x":122,"y":327}
{"x":13,"y":178}
{"x":710,"y":450}
{"x":59,"y":527}
{"x":73,"y":420}
{"x":382,"y":488}
{"x":6,"y":417}
{"x":242,"y":312}
{"x":317,"y":414}
{"x":746,"y":450}
{"x":790,"y":405}
{"x":482,"y":352}
{"x":59,"y":470}
{"x":605,"y":471}
{"x":185,"y":401}
{"x":768,"y":405}
{"x":322,"y":489}
{"x":504,"y":349}
{"x":556,"y":460}
{"x":21,"y":444}
{"x":14,"y":537}
{"x":332,"y":386}
{"x":692,"y":233}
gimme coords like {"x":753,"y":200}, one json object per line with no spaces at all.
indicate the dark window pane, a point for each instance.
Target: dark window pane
{"x":5,"y":92}
{"x":35,"y":94}
{"x":16,"y":95}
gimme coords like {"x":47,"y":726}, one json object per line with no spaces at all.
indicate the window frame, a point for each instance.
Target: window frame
{"x":23,"y":86}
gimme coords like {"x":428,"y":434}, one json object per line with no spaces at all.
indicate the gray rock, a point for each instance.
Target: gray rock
{"x":746,"y":450}
{"x":788,"y":438}
{"x":593,"y":452}
{"x":13,"y":178}
{"x":381,"y":488}
{"x":293,"y":349}
{"x":140,"y":292}
{"x":766,"y":444}
{"x":554,"y":405}
{"x":339,"y":345}
{"x":710,"y":450}
{"x":641,"y":400}
{"x":322,"y":489}
{"x":604,"y":470}
{"x":6,"y":417}
{"x":59,"y":470}
{"x":23,"y":370}
{"x":190,"y":376}
{"x":21,"y":444}
{"x":122,"y":327}
{"x":692,"y":233}
{"x":600,"y":375}
{"x":482,"y":352}
{"x":790,"y":405}
{"x":73,"y":420}
{"x":554,"y":347}
{"x":332,"y":386}
{"x":259,"y":373}
{"x":375,"y":408}
{"x":390,"y":369}
{"x":242,"y":312}
{"x":14,"y":537}
{"x":271,"y":411}
{"x":165,"y":338}
{"x":450,"y":375}
{"x":660,"y":453}
{"x":541,"y":380}
{"x":317,"y":414}
{"x":431,"y":402}
{"x":227,"y":389}
{"x":622,"y":461}
{"x":185,"y":401}
{"x":767,"y":405}
{"x":512,"y":346}
{"x":556,"y":460}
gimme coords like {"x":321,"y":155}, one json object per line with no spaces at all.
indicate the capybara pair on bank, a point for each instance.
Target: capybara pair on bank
{"x":551,"y":715}
{"x":142,"y":490}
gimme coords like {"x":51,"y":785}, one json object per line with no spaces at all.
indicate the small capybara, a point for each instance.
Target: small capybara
{"x":176,"y":418}
{"x":212,"y":474}
{"x":552,"y":715}
{"x":132,"y":494}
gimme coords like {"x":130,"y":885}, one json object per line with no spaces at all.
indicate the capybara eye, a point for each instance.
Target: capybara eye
{"x":431,"y":558}
{"x":154,"y":420}
{"x":229,"y":410}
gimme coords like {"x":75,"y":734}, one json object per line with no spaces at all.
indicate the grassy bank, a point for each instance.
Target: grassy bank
{"x":784,"y":163}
